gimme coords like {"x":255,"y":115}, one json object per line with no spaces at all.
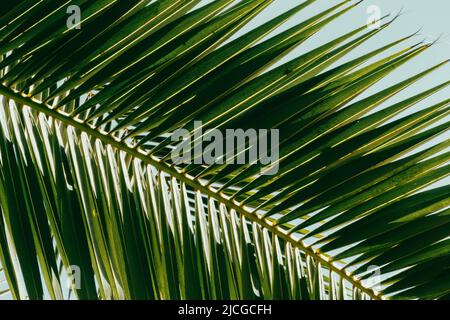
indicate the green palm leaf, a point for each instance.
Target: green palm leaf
{"x":89,"y":194}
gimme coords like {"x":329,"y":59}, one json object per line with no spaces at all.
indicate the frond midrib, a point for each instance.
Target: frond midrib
{"x":150,"y":160}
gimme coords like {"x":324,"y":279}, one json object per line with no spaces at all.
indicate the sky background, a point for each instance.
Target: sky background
{"x":431,"y":17}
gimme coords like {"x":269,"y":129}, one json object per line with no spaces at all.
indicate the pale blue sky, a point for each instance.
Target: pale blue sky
{"x":431,"y":16}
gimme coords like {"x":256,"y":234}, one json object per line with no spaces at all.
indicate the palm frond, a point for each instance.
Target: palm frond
{"x":88,"y":186}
